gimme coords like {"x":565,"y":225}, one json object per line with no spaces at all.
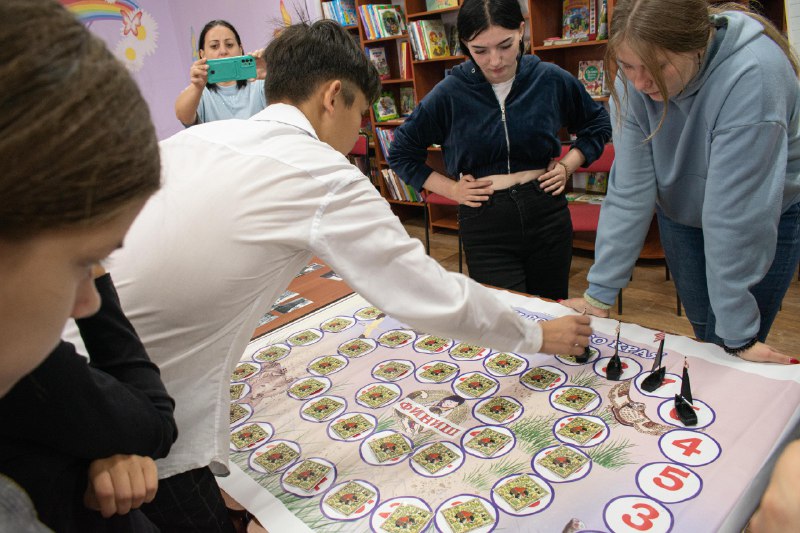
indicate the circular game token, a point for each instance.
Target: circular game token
{"x":522,"y":494}
{"x":505,"y":364}
{"x":384,"y":448}
{"x":239,"y":391}
{"x":327,"y":365}
{"x":358,"y":347}
{"x":337,"y":324}
{"x":436,"y":459}
{"x":498,"y":410}
{"x":339,"y":501}
{"x":630,"y":367}
{"x":323,"y":408}
{"x":567,"y":465}
{"x":316,"y":473}
{"x":543,"y":378}
{"x":272,"y":353}
{"x":393,"y":370}
{"x":488,"y":442}
{"x":432,"y":344}
{"x":311,"y":387}
{"x":274,"y":456}
{"x":436,"y":372}
{"x":468,"y":352}
{"x":692,"y":448}
{"x":245,"y":370}
{"x":634,"y":514}
{"x":670,"y":385}
{"x":378,"y":395}
{"x":474,"y":385}
{"x":397,"y":338}
{"x":305,"y":338}
{"x":368,"y":314}
{"x":668,"y":482}
{"x":705,"y":414}
{"x":247,"y":436}
{"x":240,"y":412}
{"x":583,"y":431}
{"x":574,"y":399}
{"x":478,"y":512}
{"x":352,"y":426}
{"x":401,"y":514}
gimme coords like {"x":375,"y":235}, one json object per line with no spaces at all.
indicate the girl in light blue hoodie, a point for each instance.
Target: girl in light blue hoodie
{"x":705,"y":111}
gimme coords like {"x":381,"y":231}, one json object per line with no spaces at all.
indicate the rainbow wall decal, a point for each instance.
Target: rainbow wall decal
{"x":89,"y":11}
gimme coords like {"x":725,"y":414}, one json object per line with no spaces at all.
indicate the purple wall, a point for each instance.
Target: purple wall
{"x":160,"y":50}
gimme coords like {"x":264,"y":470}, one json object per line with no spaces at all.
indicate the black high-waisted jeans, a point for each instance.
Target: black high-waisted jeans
{"x":520,"y":239}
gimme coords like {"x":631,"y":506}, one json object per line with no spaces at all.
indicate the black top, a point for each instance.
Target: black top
{"x":69,"y":412}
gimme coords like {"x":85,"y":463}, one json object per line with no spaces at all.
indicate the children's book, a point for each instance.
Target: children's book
{"x":597,"y":182}
{"x":377,"y":56}
{"x":407,"y":101}
{"x":385,"y":108}
{"x":390,"y":20}
{"x":590,"y":73}
{"x":453,"y":40}
{"x":576,"y":18}
{"x":435,"y":38}
{"x":433,"y":5}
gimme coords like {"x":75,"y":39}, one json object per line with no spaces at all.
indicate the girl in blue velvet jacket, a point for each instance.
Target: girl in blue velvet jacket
{"x":497,"y":118}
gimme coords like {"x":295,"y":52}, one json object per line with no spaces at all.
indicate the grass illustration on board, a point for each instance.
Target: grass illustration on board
{"x":534,"y":432}
{"x":486,"y":475}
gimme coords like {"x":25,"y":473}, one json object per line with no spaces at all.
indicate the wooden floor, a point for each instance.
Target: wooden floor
{"x":649,"y":300}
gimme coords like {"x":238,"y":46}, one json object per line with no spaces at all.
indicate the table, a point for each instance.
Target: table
{"x":330,"y":434}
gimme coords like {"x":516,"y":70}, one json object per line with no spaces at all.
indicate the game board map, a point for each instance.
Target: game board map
{"x":640,"y":447}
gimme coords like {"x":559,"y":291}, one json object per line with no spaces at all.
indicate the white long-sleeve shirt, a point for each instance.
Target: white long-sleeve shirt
{"x":244,"y":206}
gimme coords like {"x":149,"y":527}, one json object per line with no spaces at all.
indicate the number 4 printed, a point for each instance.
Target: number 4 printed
{"x":668,"y":482}
{"x":690,"y":448}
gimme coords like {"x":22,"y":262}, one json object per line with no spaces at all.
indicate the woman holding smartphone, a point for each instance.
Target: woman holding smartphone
{"x":205,"y":102}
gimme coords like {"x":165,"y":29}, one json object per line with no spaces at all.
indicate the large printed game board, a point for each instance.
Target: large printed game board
{"x":347,"y":420}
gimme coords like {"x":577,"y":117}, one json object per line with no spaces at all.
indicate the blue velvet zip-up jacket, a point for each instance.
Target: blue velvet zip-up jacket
{"x":479,"y":136}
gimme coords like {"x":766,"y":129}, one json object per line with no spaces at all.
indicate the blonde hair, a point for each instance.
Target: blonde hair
{"x":76,"y":139}
{"x":649,"y":27}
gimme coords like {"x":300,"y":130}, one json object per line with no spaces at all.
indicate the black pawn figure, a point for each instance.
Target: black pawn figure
{"x":614,"y":366}
{"x":657,"y":373}
{"x":584,"y":358}
{"x":683,"y":401}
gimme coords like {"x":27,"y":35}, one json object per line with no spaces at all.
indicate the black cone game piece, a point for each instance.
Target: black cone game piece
{"x":584,"y":358}
{"x":614,"y":366}
{"x":657,"y":373}
{"x":683,"y":401}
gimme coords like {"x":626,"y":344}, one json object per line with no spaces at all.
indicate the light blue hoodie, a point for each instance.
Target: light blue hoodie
{"x":727,"y":159}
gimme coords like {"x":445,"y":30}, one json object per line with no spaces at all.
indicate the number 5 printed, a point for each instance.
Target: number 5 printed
{"x":630,"y":514}
{"x":668,"y":482}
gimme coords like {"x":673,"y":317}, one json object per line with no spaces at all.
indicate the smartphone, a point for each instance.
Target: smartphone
{"x":231,"y":68}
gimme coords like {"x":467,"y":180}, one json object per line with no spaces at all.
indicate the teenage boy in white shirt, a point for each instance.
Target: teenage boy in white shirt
{"x":244,"y":206}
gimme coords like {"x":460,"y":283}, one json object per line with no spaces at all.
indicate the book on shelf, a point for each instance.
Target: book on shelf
{"x":385,"y":138}
{"x":582,"y":197}
{"x":453,"y":40}
{"x":405,"y":60}
{"x":575,"y":17}
{"x":435,"y":38}
{"x":342,"y":11}
{"x":551,"y":41}
{"x":407,"y":101}
{"x":597,"y":182}
{"x":381,"y":20}
{"x":602,"y":25}
{"x":434,"y":5}
{"x":389,"y":18}
{"x":377,"y":56}
{"x":385,"y":108}
{"x":591,"y":75}
{"x":399,"y":189}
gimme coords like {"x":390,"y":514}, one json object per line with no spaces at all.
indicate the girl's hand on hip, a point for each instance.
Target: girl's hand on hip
{"x":471,"y":192}
{"x":554,"y":181}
